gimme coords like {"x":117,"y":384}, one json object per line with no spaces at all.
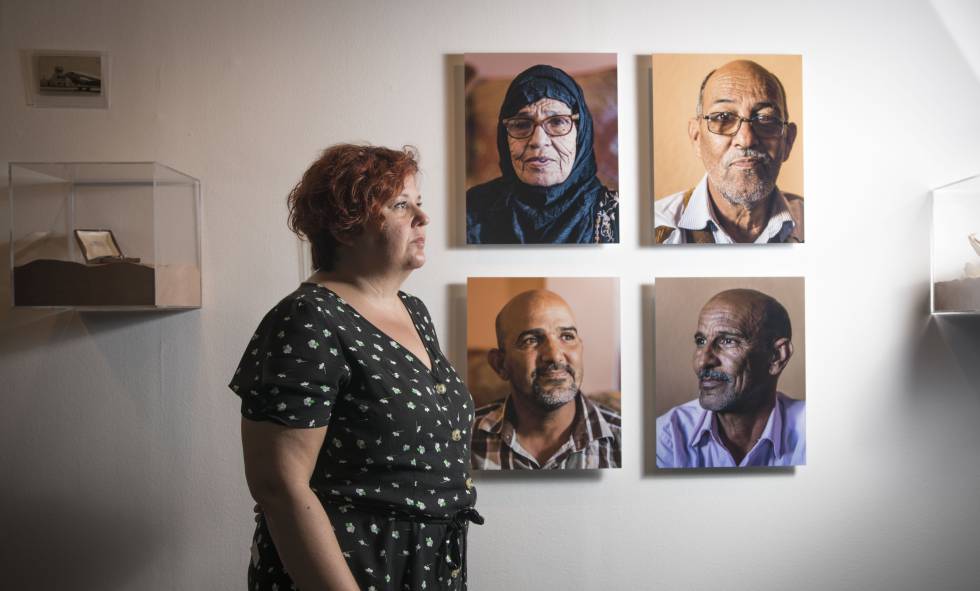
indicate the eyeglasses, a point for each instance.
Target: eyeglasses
{"x":521,"y":128}
{"x":725,"y":123}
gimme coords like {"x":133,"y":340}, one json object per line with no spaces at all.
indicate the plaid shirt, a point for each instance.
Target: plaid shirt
{"x":594,"y":441}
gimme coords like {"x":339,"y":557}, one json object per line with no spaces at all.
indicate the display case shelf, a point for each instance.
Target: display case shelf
{"x":955,"y":259}
{"x":104,"y":236}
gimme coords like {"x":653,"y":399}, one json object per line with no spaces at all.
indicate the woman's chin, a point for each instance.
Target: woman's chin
{"x":544,"y":179}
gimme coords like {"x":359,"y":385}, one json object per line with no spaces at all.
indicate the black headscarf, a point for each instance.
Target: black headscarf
{"x":506,"y":210}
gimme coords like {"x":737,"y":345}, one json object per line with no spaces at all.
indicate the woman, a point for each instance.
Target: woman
{"x":355,"y":427}
{"x":548,"y":191}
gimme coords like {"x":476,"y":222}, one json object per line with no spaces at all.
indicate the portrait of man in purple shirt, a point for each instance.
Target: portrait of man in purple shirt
{"x":742,"y":344}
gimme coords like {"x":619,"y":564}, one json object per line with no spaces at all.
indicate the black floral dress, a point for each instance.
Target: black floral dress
{"x":393,"y":470}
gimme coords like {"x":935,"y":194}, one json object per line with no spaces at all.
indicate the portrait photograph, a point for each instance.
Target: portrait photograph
{"x":542,"y":148}
{"x":730,"y":372}
{"x":727,"y":148}
{"x":543,"y":366}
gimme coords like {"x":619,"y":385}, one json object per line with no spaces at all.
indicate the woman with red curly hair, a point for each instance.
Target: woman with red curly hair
{"x":355,"y":427}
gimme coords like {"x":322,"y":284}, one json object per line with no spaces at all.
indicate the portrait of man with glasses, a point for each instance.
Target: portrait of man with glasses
{"x":741,"y":133}
{"x":548,"y":190}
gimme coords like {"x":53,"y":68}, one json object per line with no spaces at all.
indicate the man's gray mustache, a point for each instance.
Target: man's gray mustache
{"x":748,"y":153}
{"x":710,"y":374}
{"x":553,"y":367}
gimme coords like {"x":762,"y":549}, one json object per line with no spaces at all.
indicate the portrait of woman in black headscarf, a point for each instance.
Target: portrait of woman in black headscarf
{"x":548,"y":191}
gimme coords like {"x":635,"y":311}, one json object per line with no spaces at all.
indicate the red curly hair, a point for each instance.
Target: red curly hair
{"x":343,"y":191}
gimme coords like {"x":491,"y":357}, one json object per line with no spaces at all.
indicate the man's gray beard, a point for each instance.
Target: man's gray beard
{"x":717,"y":403}
{"x":749,"y":198}
{"x":553,"y":399}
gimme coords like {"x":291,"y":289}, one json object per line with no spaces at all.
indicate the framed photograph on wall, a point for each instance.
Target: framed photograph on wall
{"x":67,"y":78}
{"x":727,"y":148}
{"x":730,"y":372}
{"x":544,"y":352}
{"x":542,"y":148}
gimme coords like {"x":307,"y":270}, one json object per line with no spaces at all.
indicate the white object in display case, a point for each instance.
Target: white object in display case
{"x":145,"y":214}
{"x":955,"y":260}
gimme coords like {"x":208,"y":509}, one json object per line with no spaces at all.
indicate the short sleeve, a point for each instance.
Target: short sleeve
{"x":293,"y":368}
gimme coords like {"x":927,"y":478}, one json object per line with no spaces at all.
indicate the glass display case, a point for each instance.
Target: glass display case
{"x":956,"y":248}
{"x":104,"y":236}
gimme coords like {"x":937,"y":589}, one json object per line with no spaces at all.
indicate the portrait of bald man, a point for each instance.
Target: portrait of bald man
{"x":742,"y":132}
{"x":742,"y":341}
{"x":545,"y":421}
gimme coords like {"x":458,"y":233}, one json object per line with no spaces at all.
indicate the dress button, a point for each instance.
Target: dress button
{"x":440,"y":388}
{"x":457,"y":435}
{"x":469,"y":483}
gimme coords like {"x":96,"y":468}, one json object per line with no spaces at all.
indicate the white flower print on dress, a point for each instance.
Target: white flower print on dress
{"x":331,"y":354}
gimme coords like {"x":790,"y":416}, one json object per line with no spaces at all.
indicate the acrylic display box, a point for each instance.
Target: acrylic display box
{"x":104,"y":236}
{"x":956,"y":248}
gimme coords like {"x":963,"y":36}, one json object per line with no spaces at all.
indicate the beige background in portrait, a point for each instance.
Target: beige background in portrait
{"x":676,"y":81}
{"x":678,"y":302}
{"x":595,"y":304}
{"x":489,"y":74}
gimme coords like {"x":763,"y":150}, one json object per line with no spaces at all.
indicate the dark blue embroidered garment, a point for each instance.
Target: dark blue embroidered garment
{"x":578,"y":210}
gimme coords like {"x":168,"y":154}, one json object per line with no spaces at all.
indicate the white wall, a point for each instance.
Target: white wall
{"x":119,"y":452}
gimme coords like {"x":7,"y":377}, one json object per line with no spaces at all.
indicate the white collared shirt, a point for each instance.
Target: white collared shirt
{"x":699,"y":215}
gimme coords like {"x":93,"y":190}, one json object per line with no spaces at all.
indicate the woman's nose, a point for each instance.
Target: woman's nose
{"x":539,"y":137}
{"x":421,"y":218}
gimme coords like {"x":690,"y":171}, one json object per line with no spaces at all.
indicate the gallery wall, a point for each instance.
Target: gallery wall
{"x":119,"y":443}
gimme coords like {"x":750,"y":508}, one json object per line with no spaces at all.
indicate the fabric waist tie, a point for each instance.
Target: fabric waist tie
{"x":453,"y":547}
{"x":454,"y":544}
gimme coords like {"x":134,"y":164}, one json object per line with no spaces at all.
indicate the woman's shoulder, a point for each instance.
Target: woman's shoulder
{"x":487,"y":212}
{"x":486,"y":196}
{"x":305,"y":294}
{"x":308,"y":303}
{"x":607,"y":217}
{"x":609,"y":198}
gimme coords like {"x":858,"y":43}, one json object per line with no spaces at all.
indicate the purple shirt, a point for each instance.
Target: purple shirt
{"x":687,"y":437}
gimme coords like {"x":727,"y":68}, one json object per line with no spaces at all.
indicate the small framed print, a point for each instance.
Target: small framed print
{"x":67,"y":79}
{"x":100,"y":246}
